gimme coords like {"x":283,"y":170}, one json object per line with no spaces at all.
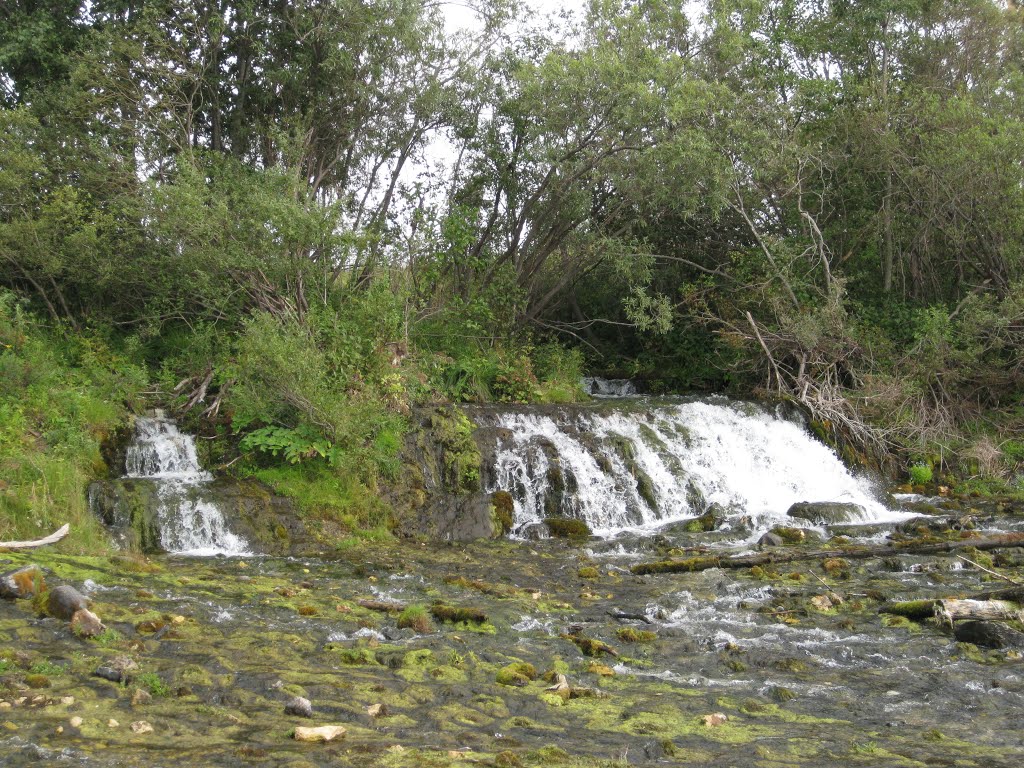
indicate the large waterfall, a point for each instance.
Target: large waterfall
{"x":641,"y":465}
{"x":188,"y":523}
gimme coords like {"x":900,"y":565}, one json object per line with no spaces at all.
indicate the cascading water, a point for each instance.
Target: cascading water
{"x":188,"y":523}
{"x":640,"y":465}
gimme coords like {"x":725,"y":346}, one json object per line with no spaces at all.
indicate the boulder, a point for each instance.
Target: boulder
{"x":22,"y":583}
{"x":826,"y":512}
{"x":988,"y":634}
{"x":64,"y":602}
{"x":770,"y":540}
{"x":117,"y":670}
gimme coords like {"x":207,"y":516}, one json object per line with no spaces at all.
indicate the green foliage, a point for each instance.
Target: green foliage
{"x":920,"y":474}
{"x":153,"y":683}
{"x":47,"y":668}
{"x":61,"y":394}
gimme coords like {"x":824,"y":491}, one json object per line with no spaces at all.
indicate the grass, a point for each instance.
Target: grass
{"x":60,"y":396}
{"x":325,"y":493}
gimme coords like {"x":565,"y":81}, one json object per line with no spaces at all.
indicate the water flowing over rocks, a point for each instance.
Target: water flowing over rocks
{"x":640,"y":464}
{"x":166,"y":502}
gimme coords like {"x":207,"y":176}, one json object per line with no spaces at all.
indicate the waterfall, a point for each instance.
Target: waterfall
{"x":640,"y":465}
{"x":189,"y":524}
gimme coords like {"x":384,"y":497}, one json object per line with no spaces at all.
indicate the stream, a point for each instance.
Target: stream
{"x":765,"y":667}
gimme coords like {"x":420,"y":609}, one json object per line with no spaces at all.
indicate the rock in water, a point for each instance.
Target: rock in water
{"x":320,"y":733}
{"x":988,"y":634}
{"x":117,"y":670}
{"x":299,"y":707}
{"x":85,"y":623}
{"x":22,"y":583}
{"x":826,"y":512}
{"x":64,"y":602}
{"x":141,"y":726}
{"x":770,"y":540}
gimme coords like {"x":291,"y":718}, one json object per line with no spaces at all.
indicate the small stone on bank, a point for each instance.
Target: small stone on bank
{"x":75,"y":722}
{"x":320,"y":733}
{"x":714,"y":720}
{"x":299,"y":707}
{"x":141,"y":726}
{"x":85,"y":623}
{"x":112,"y":723}
{"x":141,"y":697}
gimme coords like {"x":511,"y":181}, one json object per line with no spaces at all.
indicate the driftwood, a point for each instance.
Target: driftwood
{"x":381,"y":606}
{"x":915,"y":547}
{"x":953,"y":609}
{"x":948,"y":611}
{"x":53,"y":538}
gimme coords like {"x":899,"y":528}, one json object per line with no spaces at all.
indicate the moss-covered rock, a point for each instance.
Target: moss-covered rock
{"x":567,"y":528}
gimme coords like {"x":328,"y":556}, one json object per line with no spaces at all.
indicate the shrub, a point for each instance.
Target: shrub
{"x":920,"y":474}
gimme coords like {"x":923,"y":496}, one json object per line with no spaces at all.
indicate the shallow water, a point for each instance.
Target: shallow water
{"x":801,"y":686}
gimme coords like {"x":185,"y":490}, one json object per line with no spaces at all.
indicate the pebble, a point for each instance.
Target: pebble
{"x":141,"y":697}
{"x":377,"y":710}
{"x":320,"y":733}
{"x":67,"y":701}
{"x":85,"y":623}
{"x":299,"y":707}
{"x":714,"y":720}
{"x":112,"y":723}
{"x":5,"y":705}
{"x":75,"y":722}
{"x":141,"y":726}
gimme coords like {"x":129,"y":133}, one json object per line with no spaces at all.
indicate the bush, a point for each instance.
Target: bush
{"x":920,"y":474}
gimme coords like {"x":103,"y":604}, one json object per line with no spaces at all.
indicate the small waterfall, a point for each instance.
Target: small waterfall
{"x":638,"y":465}
{"x":188,"y":523}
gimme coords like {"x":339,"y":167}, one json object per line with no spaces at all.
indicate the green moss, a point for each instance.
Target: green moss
{"x":504,"y":510}
{"x":566,"y":528}
{"x":454,"y":615}
{"x":588,"y":572}
{"x":790,"y":535}
{"x":415,"y":617}
{"x":37,"y":681}
{"x":517,"y":674}
{"x":589,"y":646}
{"x":675,"y":566}
{"x":631,"y":635}
{"x":911,"y":609}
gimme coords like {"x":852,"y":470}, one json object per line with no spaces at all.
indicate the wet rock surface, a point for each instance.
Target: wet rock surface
{"x":576,"y":663}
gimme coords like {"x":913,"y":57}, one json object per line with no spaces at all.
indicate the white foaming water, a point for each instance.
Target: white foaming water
{"x":189,"y":524}
{"x":638,"y":468}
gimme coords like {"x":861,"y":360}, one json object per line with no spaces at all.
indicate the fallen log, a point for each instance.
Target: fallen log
{"x":381,"y":606}
{"x":53,"y":538}
{"x":948,"y":611}
{"x":772,"y":557}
